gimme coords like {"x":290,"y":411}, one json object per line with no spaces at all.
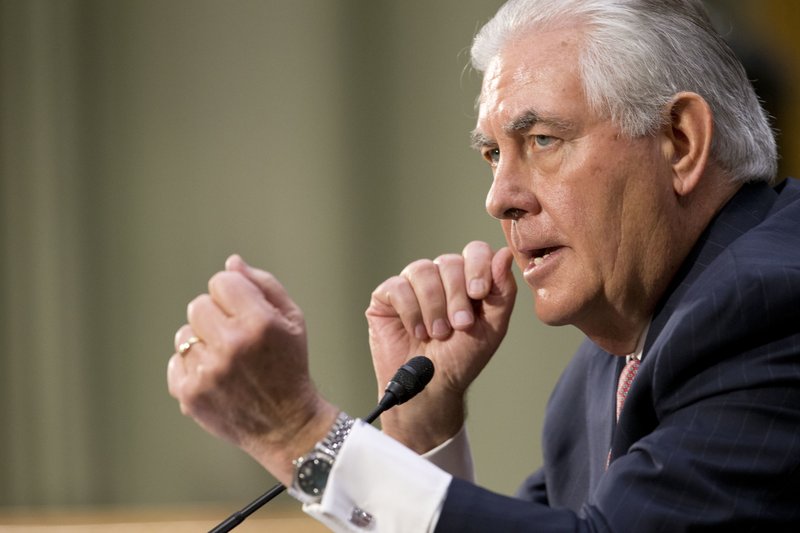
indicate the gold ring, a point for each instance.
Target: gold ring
{"x":186,"y":345}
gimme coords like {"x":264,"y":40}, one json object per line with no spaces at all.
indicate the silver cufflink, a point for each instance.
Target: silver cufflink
{"x":360,"y":518}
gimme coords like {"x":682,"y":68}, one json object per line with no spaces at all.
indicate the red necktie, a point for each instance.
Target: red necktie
{"x":623,"y":386}
{"x":625,"y":380}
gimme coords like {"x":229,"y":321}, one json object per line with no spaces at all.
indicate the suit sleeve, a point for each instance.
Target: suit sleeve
{"x":534,"y":488}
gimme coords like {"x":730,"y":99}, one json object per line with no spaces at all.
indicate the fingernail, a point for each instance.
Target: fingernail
{"x":440,"y":328}
{"x":420,"y":333}
{"x":477,"y":286}
{"x":462,"y":319}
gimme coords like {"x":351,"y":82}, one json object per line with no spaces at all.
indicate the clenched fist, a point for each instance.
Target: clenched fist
{"x":246,"y":380}
{"x":455,"y":310}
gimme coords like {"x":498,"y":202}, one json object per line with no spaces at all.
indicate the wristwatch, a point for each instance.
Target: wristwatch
{"x":311,"y":471}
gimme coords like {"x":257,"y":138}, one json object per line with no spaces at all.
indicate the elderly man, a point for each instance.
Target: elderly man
{"x":631,"y":165}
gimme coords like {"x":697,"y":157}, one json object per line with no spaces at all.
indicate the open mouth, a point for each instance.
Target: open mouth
{"x":540,"y":255}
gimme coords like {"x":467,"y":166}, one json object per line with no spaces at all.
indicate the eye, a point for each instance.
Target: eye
{"x":543,"y":141}
{"x":492,"y":155}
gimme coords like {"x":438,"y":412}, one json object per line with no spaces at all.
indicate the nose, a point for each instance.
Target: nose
{"x":512,"y":194}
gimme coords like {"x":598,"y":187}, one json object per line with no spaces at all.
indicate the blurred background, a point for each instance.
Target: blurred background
{"x":143,"y":141}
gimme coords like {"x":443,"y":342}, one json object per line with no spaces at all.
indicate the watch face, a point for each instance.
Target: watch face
{"x":312,"y":475}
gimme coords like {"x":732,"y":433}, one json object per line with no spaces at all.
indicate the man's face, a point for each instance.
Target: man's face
{"x":582,"y":207}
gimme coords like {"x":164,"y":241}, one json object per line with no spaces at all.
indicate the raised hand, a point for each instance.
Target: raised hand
{"x":455,"y":310}
{"x":246,"y":380}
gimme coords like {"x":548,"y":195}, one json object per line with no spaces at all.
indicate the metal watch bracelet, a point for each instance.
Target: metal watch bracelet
{"x":335,"y":438}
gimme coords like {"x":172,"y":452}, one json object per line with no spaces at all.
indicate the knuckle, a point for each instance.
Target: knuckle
{"x":382,"y":287}
{"x":387,"y":294}
{"x":240,"y":339}
{"x":259,"y":325}
{"x":449,"y":260}
{"x":428,"y":292}
{"x":216,"y":280}
{"x":393,"y":284}
{"x":192,"y":402}
{"x":215,"y":373}
{"x":197,"y":303}
{"x":418,"y":267}
{"x":268,"y":278}
{"x":221,"y":279}
{"x":477,"y":245}
{"x":251,"y":330}
{"x":187,"y":396}
{"x":387,"y":288}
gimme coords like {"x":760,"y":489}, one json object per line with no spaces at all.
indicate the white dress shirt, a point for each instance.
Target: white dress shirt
{"x":379,"y":485}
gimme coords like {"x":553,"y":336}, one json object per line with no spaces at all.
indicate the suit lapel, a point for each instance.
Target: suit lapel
{"x":744,"y":211}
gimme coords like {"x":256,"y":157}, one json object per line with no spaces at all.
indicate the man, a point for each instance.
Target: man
{"x":631,"y":163}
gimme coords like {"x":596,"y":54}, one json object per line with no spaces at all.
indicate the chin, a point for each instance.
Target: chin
{"x":550,"y":312}
{"x":567,"y":300}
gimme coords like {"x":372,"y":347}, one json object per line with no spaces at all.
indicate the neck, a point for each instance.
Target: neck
{"x":620,"y":337}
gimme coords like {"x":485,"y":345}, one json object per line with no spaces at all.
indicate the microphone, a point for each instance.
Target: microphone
{"x":408,"y":381}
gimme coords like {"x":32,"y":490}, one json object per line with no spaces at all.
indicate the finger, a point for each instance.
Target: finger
{"x":503,"y":282}
{"x":236,"y":295}
{"x":459,"y":306}
{"x":207,"y":319}
{"x":427,"y":284}
{"x":478,"y":269}
{"x":176,"y":375}
{"x":189,"y":349}
{"x":180,"y":379}
{"x":183,"y":384}
{"x":269,"y":285}
{"x":183,"y":334}
{"x":500,"y":301}
{"x":397,"y":295}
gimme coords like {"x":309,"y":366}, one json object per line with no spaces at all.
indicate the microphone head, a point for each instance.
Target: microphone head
{"x":411,"y":378}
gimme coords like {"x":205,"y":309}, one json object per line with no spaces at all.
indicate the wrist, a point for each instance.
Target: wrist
{"x":277,"y":454}
{"x":425,"y":425}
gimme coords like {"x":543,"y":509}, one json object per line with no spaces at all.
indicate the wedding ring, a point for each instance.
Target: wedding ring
{"x":187,"y":345}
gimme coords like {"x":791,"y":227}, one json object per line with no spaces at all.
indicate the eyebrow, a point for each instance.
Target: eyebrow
{"x":478,"y":140}
{"x":520,"y":124}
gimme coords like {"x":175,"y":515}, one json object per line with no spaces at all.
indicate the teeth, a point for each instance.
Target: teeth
{"x":539,"y":260}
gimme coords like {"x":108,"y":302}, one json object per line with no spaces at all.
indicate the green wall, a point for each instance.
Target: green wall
{"x":142,"y":141}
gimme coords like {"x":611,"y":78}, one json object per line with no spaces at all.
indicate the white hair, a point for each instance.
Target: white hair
{"x":636,"y":55}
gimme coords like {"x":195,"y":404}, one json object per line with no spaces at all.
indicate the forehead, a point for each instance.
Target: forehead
{"x":535,"y":71}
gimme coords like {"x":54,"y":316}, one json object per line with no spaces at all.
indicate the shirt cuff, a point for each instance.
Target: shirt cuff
{"x":454,"y":456}
{"x":376,"y":477}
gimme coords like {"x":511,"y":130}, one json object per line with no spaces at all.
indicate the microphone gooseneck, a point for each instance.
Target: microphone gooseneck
{"x":408,"y":381}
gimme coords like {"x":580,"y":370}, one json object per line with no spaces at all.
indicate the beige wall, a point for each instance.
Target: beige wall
{"x":145,"y":140}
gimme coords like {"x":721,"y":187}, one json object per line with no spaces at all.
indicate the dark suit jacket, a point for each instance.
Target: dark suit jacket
{"x":709,"y":439}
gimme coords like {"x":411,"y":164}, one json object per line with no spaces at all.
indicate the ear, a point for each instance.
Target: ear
{"x":689,"y":127}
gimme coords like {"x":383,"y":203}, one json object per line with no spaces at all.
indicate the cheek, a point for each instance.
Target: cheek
{"x":588,"y":217}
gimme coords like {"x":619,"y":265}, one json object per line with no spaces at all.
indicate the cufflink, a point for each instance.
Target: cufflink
{"x":360,"y":518}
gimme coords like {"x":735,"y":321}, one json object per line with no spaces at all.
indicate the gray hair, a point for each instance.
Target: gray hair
{"x":637,"y":55}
